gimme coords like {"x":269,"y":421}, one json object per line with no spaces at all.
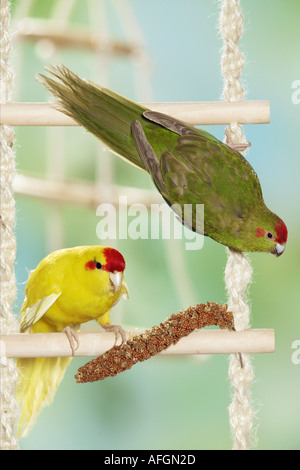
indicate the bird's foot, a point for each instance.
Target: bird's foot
{"x":72,"y":337}
{"x":241,"y":147}
{"x":118,"y":331}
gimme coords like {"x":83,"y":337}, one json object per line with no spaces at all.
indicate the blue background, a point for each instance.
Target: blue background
{"x":172,"y":403}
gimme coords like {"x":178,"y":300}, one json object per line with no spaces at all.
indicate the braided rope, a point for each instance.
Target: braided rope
{"x":8,"y":323}
{"x":238,"y":271}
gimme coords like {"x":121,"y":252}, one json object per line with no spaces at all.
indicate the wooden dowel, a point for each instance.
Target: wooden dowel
{"x":216,"y":112}
{"x":33,"y":29}
{"x":94,"y":344}
{"x":83,"y":193}
{"x":196,"y":113}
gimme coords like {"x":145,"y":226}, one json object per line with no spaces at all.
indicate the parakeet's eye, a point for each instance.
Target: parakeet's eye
{"x":97,"y":264}
{"x":90,"y":265}
{"x":269,"y":235}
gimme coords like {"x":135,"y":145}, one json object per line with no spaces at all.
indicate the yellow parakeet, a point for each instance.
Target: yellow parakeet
{"x":69,"y":287}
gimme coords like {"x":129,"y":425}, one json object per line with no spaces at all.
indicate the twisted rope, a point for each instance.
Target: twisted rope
{"x":8,"y":323}
{"x":238,"y":271}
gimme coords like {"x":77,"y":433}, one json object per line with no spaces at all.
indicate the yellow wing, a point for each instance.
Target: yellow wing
{"x":34,"y":312}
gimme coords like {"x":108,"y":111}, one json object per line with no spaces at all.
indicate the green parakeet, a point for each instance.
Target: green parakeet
{"x":188,"y":165}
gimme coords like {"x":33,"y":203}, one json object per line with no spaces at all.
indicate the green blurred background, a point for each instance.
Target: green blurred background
{"x":169,"y":403}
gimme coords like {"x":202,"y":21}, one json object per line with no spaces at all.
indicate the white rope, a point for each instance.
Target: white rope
{"x":238,"y":271}
{"x":8,"y":243}
{"x":238,"y":274}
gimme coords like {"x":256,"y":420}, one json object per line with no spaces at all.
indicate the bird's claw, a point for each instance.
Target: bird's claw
{"x":72,"y":337}
{"x":118,"y":331}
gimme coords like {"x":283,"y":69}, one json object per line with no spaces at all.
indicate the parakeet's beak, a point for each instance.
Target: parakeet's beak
{"x":116,"y":280}
{"x":279,"y":249}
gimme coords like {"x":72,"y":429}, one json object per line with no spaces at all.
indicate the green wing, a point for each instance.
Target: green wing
{"x":226,"y":184}
{"x":202,"y":170}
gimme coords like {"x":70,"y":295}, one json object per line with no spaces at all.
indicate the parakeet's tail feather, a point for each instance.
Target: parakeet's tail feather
{"x":102,"y":112}
{"x":38,"y":381}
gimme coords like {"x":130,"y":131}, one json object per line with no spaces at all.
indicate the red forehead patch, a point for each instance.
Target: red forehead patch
{"x":114,"y":260}
{"x":281,"y":232}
